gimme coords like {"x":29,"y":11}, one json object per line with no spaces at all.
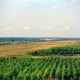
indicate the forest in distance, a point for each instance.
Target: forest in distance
{"x":36,"y":38}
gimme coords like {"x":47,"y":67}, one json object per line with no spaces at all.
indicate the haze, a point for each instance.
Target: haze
{"x":39,"y":18}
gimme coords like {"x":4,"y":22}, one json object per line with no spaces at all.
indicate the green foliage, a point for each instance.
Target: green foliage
{"x":39,"y":68}
{"x":74,"y":72}
{"x":69,"y":74}
{"x":13,"y":78}
{"x":46,"y":73}
{"x":39,"y":75}
{"x":20,"y":76}
{"x":34,"y":76}
{"x":63,"y":72}
{"x":68,"y":50}
{"x":58,"y":72}
{"x":27,"y":76}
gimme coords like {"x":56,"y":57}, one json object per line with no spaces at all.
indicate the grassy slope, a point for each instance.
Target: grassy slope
{"x":22,"y":48}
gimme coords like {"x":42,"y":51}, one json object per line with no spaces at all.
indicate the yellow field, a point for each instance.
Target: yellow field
{"x":22,"y":48}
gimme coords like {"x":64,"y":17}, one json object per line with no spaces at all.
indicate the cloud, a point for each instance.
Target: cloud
{"x":13,"y":28}
{"x":43,"y":28}
{"x":66,"y":28}
{"x":46,"y":28}
{"x":27,"y":28}
{"x":49,"y":28}
{"x":75,"y":1}
{"x":8,"y":28}
{"x":39,"y":16}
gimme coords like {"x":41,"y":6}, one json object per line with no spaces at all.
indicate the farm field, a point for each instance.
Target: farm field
{"x":40,"y":68}
{"x":32,"y":46}
{"x":66,"y":50}
{"x":52,"y":60}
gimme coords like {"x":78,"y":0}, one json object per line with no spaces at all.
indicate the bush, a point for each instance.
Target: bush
{"x":13,"y":78}
{"x":20,"y":76}
{"x":34,"y":76}
{"x":27,"y":76}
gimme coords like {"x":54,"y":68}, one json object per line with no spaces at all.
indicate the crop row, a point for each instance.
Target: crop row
{"x":67,"y":50}
{"x":39,"y":68}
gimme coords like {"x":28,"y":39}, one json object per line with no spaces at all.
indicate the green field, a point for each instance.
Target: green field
{"x":67,"y":50}
{"x":39,"y":68}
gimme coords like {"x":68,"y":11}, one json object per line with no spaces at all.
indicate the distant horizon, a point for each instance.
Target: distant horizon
{"x":39,"y":37}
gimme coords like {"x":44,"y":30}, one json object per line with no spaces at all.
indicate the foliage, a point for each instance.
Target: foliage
{"x":39,"y":68}
{"x":68,"y":50}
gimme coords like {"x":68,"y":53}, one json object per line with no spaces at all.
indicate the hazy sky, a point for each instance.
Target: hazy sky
{"x":40,"y":18}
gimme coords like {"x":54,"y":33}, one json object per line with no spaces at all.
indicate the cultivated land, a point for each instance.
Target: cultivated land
{"x":40,"y":69}
{"x":21,"y":65}
{"x":32,"y":46}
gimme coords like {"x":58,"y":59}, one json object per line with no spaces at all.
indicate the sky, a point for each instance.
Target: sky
{"x":39,"y":18}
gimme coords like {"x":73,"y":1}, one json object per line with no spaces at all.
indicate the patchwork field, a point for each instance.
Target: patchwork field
{"x":36,"y":65}
{"x":32,"y":46}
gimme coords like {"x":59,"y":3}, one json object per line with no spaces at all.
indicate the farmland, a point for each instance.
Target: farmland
{"x":66,"y":50}
{"x":51,"y":60}
{"x":39,"y":68}
{"x":32,"y":46}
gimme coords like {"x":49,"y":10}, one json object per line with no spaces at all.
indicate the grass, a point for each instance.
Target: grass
{"x":20,"y":49}
{"x":30,"y":56}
